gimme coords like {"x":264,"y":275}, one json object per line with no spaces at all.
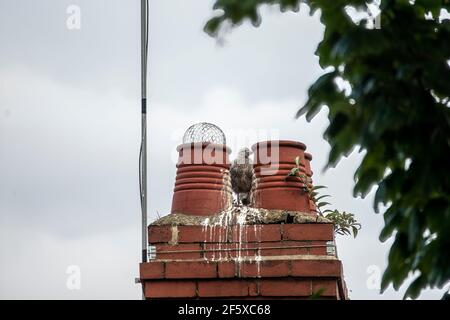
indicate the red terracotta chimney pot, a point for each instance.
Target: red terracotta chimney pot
{"x":273,"y":188}
{"x":202,"y":185}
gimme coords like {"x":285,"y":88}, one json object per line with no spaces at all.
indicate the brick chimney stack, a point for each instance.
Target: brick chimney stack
{"x":278,"y":247}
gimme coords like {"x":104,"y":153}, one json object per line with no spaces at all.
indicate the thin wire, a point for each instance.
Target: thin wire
{"x":144,"y":66}
{"x":146,"y":39}
{"x":140,"y":176}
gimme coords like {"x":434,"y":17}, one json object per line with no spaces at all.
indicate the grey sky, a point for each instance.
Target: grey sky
{"x":70,"y":123}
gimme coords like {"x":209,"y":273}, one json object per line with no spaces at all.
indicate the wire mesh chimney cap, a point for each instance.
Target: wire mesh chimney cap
{"x":204,"y":132}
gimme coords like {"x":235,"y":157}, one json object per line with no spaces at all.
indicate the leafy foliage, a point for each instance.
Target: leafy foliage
{"x":396,"y":110}
{"x":344,"y":223}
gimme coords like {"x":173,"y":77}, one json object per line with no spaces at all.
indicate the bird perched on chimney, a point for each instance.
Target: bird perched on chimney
{"x":241,"y":173}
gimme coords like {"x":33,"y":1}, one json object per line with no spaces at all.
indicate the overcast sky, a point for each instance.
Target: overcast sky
{"x":70,"y":129}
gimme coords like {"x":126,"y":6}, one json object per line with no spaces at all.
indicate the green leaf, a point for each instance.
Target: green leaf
{"x":321,"y":204}
{"x":212,"y":26}
{"x":355,"y":231}
{"x":322,"y":196}
{"x":414,"y":288}
{"x":293,"y":172}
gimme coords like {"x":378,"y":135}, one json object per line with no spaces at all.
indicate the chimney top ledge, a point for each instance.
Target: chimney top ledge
{"x":254,"y":216}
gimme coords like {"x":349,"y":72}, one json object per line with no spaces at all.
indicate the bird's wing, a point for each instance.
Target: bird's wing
{"x":234,"y":169}
{"x":234,"y":176}
{"x":249,"y":171}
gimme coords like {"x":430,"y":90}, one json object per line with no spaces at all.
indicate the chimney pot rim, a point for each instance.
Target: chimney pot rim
{"x":281,"y":143}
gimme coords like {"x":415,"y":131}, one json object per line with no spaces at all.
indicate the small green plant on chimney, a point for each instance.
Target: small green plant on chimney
{"x":344,"y":222}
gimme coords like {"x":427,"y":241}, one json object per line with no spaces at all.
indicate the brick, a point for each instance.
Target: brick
{"x":318,"y":248}
{"x":271,"y":268}
{"x":326,"y":288}
{"x":247,"y":250}
{"x":190,"y":269}
{"x":218,"y":251}
{"x":307,"y":232}
{"x":254,"y":249}
{"x":201,"y":234}
{"x":190,"y":234}
{"x":230,"y":250}
{"x":285,"y":287}
{"x":256,"y":233}
{"x":170,"y":289}
{"x":180,"y":251}
{"x":151,"y":270}
{"x":226,"y":288}
{"x":216,"y":234}
{"x":158,"y":234}
{"x":288,"y":248}
{"x":316,"y":268}
{"x":226,"y":269}
{"x":253,"y":289}
{"x":343,"y":286}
